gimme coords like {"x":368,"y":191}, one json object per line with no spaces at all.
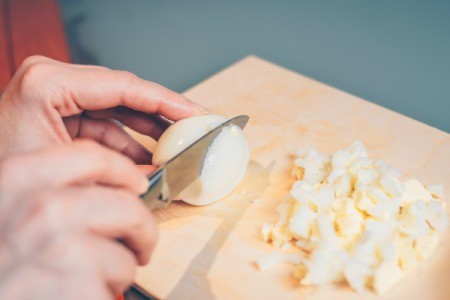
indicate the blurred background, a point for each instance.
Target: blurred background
{"x":393,"y":53}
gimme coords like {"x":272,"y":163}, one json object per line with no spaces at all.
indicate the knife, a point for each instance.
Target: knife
{"x":178,"y":173}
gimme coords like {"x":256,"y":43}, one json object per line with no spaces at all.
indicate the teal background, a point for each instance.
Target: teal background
{"x":392,"y":52}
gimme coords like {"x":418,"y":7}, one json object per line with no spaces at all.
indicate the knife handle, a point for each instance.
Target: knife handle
{"x":157,"y":195}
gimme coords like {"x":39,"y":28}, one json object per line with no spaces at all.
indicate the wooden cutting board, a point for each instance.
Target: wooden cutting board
{"x":209,"y":252}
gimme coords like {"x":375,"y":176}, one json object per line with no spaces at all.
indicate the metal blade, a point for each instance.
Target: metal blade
{"x":179,"y":172}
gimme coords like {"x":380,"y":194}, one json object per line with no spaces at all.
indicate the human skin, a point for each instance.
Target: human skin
{"x":71,"y":222}
{"x":50,"y":102}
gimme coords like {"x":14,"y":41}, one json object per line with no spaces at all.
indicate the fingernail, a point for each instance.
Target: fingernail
{"x":204,"y":110}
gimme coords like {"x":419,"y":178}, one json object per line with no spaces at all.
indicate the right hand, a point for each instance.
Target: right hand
{"x":71,"y":223}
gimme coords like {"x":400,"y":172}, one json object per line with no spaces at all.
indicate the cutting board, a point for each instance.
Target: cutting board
{"x":209,"y":252}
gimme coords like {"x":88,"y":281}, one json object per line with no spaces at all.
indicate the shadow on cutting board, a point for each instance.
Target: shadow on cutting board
{"x":194,"y":281}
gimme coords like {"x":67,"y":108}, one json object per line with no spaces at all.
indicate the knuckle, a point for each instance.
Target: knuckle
{"x":30,"y":60}
{"x":33,"y":76}
{"x":165,"y":92}
{"x":127,"y":78}
{"x":101,"y":68}
{"x":135,"y":207}
{"x":44,"y":199}
{"x":49,"y":206}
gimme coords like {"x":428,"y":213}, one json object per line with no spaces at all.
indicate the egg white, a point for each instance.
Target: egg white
{"x":225,"y":163}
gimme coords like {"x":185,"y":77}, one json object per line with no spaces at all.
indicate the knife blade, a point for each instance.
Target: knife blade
{"x":179,"y":172}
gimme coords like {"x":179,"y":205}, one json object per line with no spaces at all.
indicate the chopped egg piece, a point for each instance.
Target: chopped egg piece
{"x":425,"y":245}
{"x":301,"y":221}
{"x":273,"y":258}
{"x":356,"y":275}
{"x":350,"y":218}
{"x":436,"y":190}
{"x":386,"y":276}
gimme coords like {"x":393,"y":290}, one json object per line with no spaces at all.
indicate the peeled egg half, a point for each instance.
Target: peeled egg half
{"x":225,"y":162}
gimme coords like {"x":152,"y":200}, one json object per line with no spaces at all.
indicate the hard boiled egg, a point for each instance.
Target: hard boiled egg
{"x":225,"y":162}
{"x":352,"y":218}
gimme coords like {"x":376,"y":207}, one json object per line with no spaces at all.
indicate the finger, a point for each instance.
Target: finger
{"x":95,"y":89}
{"x":147,"y":169}
{"x":117,"y":264}
{"x":110,"y":134}
{"x":34,"y":59}
{"x":57,"y":230}
{"x":114,"y":214}
{"x":78,"y":163}
{"x":150,"y":125}
{"x":109,"y":213}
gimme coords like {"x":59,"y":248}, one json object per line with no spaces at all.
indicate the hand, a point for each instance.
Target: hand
{"x":50,"y":102}
{"x":71,"y":225}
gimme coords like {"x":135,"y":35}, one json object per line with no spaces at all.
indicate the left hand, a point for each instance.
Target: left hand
{"x":50,"y":102}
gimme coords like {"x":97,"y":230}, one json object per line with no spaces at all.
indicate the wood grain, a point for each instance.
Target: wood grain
{"x":209,"y":252}
{"x":5,"y":55}
{"x":37,"y":29}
